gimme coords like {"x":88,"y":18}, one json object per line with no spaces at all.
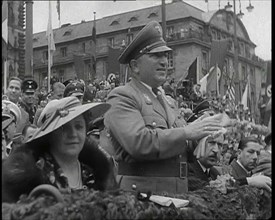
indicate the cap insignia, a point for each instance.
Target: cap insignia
{"x":158,"y":28}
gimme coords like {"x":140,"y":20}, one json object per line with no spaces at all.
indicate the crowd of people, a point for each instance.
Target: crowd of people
{"x":144,"y":135}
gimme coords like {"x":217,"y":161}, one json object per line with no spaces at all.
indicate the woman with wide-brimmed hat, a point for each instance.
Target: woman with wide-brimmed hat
{"x":59,"y":152}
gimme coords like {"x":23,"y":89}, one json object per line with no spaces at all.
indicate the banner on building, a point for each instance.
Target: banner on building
{"x":93,"y":51}
{"x":113,"y":64}
{"x":79,"y":66}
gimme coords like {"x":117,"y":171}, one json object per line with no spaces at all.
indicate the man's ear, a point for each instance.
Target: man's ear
{"x":133,"y":65}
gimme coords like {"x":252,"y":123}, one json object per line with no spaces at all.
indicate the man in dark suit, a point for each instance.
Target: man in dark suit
{"x":248,"y":157}
{"x":149,"y":139}
{"x":201,"y":170}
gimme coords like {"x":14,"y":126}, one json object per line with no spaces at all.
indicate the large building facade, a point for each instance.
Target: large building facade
{"x":189,"y":33}
{"x":14,"y":49}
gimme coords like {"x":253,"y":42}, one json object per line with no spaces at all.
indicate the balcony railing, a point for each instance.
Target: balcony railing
{"x":181,"y":35}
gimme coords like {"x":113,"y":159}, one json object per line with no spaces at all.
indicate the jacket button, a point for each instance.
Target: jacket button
{"x":154,"y":124}
{"x":134,"y":187}
{"x":180,"y":156}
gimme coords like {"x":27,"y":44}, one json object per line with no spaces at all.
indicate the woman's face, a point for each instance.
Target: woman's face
{"x":69,"y":139}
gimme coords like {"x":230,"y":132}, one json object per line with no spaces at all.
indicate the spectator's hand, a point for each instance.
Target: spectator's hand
{"x":260,"y":181}
{"x":202,"y":127}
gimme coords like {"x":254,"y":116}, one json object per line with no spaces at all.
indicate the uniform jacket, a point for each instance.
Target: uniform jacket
{"x":237,"y":171}
{"x":138,"y":125}
{"x":29,"y":109}
{"x":21,"y":172}
{"x":197,"y":179}
{"x":140,"y":130}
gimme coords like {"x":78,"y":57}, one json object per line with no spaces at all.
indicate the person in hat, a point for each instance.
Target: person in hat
{"x":28,"y":98}
{"x":75,"y":88}
{"x":203,"y":108}
{"x":58,"y":152}
{"x":148,"y":138}
{"x":57,"y":92}
{"x":11,"y":116}
{"x":14,"y":94}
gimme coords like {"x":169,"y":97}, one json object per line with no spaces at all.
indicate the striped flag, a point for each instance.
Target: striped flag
{"x":230,"y":93}
{"x":246,"y":98}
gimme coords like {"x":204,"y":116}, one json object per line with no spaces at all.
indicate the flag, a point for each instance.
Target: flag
{"x":212,"y":85}
{"x":49,"y":34}
{"x":246,"y":98}
{"x":58,"y":9}
{"x":230,"y":93}
{"x":79,"y":66}
{"x":4,"y":27}
{"x":5,"y":31}
{"x":113,"y":64}
{"x":218,"y":52}
{"x":192,"y":72}
{"x":93,"y":50}
{"x":203,"y":83}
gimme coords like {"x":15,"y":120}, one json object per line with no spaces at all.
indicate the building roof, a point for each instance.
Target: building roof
{"x":132,"y":19}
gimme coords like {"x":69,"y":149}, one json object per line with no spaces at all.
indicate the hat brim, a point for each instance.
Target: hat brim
{"x":95,"y":110}
{"x":77,"y":94}
{"x":160,"y":49}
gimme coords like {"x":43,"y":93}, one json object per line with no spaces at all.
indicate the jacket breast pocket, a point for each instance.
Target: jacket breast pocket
{"x":154,"y":122}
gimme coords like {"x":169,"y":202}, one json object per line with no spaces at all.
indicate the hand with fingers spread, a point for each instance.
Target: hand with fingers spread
{"x":202,"y":127}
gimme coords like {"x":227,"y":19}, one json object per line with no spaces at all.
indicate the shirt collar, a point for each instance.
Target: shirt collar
{"x":203,"y":167}
{"x":150,"y":88}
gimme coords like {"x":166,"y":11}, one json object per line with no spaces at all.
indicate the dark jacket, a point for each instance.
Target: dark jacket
{"x":20,"y":173}
{"x":197,"y":179}
{"x":237,"y":171}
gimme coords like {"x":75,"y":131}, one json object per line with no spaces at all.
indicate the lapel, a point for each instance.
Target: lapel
{"x":170,"y":113}
{"x":239,"y":171}
{"x":149,"y":98}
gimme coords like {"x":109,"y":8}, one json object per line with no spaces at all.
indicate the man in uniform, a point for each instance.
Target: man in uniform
{"x":75,"y":88}
{"x":149,"y":140}
{"x":14,"y":93}
{"x":28,"y":98}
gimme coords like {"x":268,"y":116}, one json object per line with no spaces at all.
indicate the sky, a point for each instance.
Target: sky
{"x":257,"y":22}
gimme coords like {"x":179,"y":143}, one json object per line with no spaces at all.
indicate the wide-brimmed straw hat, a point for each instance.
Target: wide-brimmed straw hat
{"x":59,"y":112}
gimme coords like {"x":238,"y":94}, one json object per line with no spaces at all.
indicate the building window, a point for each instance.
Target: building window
{"x":45,"y":56}
{"x":114,"y":23}
{"x":152,"y":15}
{"x":170,"y":59}
{"x":61,"y":75}
{"x":218,"y":35}
{"x":63,"y":51}
{"x":129,"y":38}
{"x":170,"y":32}
{"x":214,"y":35}
{"x":244,"y":75}
{"x":111,"y":42}
{"x":133,"y":19}
{"x":83,"y":47}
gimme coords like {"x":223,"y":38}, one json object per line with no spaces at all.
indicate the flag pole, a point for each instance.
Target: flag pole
{"x":49,"y":52}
